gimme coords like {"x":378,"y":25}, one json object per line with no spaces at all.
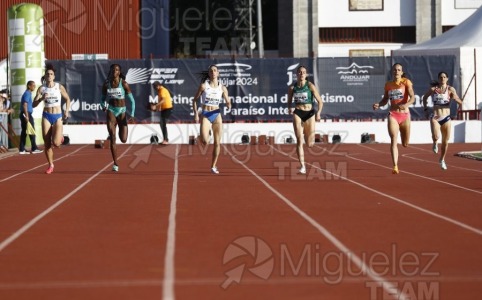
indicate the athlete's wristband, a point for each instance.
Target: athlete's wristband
{"x":102,"y":101}
{"x":133,"y":104}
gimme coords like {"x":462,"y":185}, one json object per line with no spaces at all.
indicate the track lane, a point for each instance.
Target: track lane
{"x":385,"y":222}
{"x":208,"y":224}
{"x":233,"y":205}
{"x":107,"y":240}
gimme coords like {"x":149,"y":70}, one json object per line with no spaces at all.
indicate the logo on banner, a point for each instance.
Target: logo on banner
{"x":148,"y":76}
{"x":236,"y":74}
{"x":291,"y":72}
{"x":355,"y":74}
{"x":76,"y":105}
{"x":18,"y":77}
{"x":33,"y":60}
{"x":165,"y":76}
{"x":138,"y":75}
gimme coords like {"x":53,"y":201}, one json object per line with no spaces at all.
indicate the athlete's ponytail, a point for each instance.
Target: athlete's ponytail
{"x":204,"y":75}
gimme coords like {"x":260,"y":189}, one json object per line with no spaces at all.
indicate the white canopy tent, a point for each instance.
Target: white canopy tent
{"x":464,"y":41}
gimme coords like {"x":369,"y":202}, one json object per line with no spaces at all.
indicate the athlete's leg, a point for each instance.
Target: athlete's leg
{"x":123,"y":129}
{"x":47,"y":136}
{"x":435,"y":128}
{"x":57,"y":133}
{"x":111,"y":128}
{"x":309,"y":131}
{"x":205,"y":128}
{"x":298,"y":128}
{"x":393,"y":130}
{"x":405,"y":132}
{"x":217,"y":132}
{"x":446,"y":130}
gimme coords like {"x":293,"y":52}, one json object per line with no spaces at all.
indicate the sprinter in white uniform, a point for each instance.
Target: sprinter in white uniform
{"x":212,"y":93}
{"x":441,"y":94}
{"x":52,"y":129}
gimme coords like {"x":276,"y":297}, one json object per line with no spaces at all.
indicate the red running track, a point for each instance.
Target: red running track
{"x":165,"y":228}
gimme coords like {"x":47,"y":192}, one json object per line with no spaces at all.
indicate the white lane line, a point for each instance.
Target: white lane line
{"x":40,"y":216}
{"x":409,"y":155}
{"x":169,"y":276}
{"x":42,"y":165}
{"x":451,"y":166}
{"x":421,"y":209}
{"x":80,"y":284}
{"x":445,"y":183}
{"x":387,"y":285}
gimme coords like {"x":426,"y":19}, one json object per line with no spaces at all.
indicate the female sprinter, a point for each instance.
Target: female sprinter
{"x":114,"y":92}
{"x":301,"y":93}
{"x":211,"y":93}
{"x":52,"y":120}
{"x":399,"y":91}
{"x":441,"y":94}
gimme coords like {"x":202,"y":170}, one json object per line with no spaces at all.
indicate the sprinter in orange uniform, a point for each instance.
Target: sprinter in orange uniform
{"x":399,"y":91}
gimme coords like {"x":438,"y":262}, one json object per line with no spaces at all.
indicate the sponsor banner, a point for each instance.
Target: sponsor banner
{"x":17,"y":60}
{"x":350,"y":86}
{"x":17,"y":44}
{"x":26,"y":51}
{"x":33,"y":60}
{"x":34,"y":43}
{"x":18,"y":77}
{"x":16,"y":26}
{"x":258,"y":88}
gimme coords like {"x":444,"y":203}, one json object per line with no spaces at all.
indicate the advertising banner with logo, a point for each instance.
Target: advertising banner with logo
{"x":257,"y":87}
{"x":349,"y":86}
{"x":26,"y":53}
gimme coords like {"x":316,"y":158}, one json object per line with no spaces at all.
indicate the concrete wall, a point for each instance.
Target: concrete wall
{"x":298,"y":28}
{"x":350,"y":132}
{"x":428,"y":23}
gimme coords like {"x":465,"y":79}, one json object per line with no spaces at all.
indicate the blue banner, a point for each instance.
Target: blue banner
{"x":258,"y":88}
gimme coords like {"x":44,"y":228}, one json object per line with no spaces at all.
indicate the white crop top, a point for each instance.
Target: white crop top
{"x":54,"y":97}
{"x":212,"y":96}
{"x":441,"y":99}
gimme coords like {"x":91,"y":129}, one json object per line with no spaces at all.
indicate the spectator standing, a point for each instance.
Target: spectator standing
{"x":26,"y":118}
{"x":164,"y":105}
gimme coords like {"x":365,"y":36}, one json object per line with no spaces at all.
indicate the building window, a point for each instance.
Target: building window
{"x":363,"y":5}
{"x":402,"y":35}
